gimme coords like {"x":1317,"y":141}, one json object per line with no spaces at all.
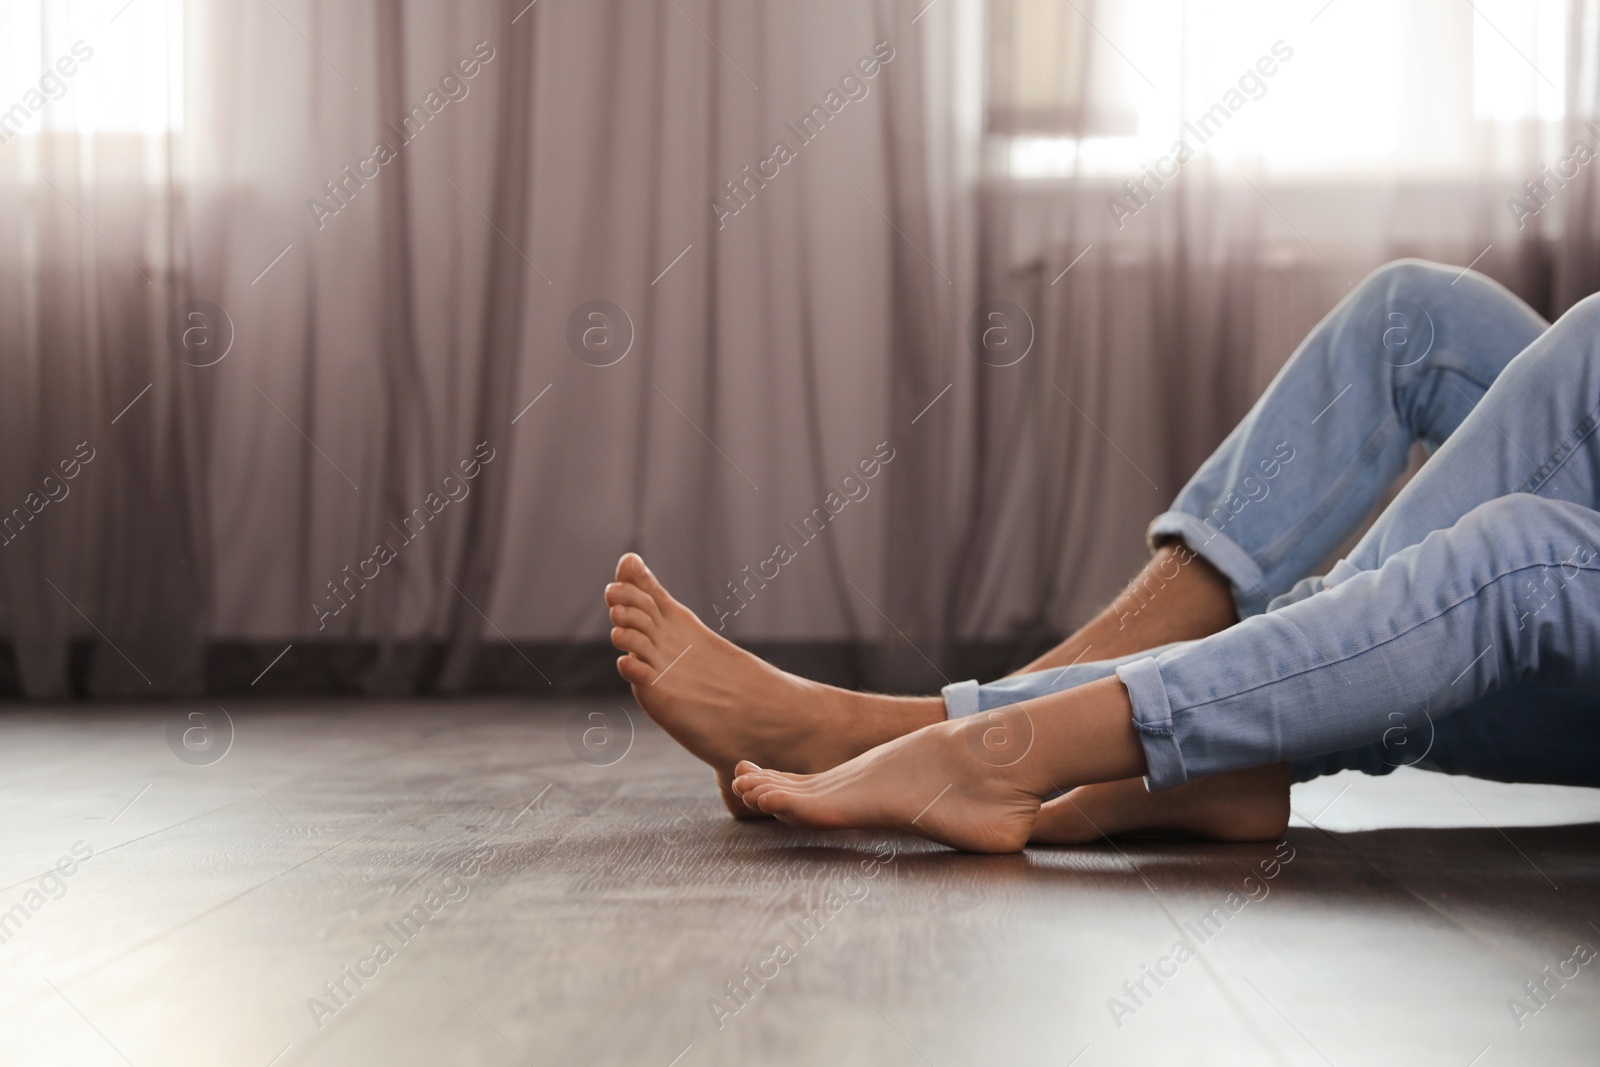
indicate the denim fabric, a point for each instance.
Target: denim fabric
{"x":1462,"y":633}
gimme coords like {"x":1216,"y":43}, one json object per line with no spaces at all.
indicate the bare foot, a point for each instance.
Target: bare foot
{"x":1249,"y":805}
{"x":724,"y":704}
{"x":930,"y":782}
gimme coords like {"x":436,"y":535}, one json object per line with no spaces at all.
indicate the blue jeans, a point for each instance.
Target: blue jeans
{"x":1462,"y":633}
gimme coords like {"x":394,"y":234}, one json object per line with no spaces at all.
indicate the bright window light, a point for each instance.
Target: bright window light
{"x":75,"y":66}
{"x":1369,"y":86}
{"x":1519,"y":60}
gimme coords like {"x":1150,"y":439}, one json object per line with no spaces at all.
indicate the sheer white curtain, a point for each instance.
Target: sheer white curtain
{"x":104,"y":518}
{"x":278,"y":341}
{"x":396,"y":314}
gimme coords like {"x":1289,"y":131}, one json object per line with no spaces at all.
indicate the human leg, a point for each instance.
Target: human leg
{"x":1335,"y":427}
{"x":1527,"y":732}
{"x":747,"y":703}
{"x":1404,"y":358}
{"x":1196,"y":600}
{"x":1534,"y":432}
{"x":1543,"y":409}
{"x":1440,"y":625}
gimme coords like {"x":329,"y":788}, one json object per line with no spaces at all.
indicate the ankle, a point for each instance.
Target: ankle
{"x":1077,"y":737}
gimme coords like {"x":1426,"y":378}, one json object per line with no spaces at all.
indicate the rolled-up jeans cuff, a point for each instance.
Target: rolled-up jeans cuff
{"x":1222,"y":552}
{"x":1152,"y":717}
{"x":960,"y":699}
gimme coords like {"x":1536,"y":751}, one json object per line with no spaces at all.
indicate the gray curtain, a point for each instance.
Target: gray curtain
{"x":394,"y":316}
{"x":1574,"y":246}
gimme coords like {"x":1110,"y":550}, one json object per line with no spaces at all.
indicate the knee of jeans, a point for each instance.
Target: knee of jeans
{"x":1420,"y":281}
{"x":1585,"y":312}
{"x":1408,"y":277}
{"x":1494,"y":519}
{"x":1567,"y":350}
{"x":1396,"y":310}
{"x":1523,"y":529}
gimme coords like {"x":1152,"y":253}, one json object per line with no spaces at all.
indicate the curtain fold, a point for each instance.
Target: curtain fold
{"x":103,"y":433}
{"x":1577,"y":242}
{"x":928,"y":196}
{"x":465,"y":627}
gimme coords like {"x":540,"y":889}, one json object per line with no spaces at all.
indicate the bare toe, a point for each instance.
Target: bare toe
{"x":628,"y":565}
{"x":779,"y":803}
{"x":747,"y":776}
{"x":637,"y":643}
{"x":632,"y":570}
{"x":634,"y":670}
{"x":734,"y":803}
{"x":625,"y":594}
{"x":774,"y":792}
{"x":632,"y":618}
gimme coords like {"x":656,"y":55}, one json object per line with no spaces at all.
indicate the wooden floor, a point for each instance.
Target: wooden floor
{"x":571,"y":912}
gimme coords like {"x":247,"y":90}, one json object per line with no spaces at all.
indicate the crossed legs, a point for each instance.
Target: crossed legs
{"x":1507,"y":592}
{"x":1097,"y":736}
{"x":725,"y":705}
{"x":1194,"y":601}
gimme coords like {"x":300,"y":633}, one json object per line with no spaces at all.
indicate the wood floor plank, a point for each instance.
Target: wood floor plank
{"x":536,"y":909}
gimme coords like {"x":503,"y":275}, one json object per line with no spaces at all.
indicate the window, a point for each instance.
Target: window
{"x":75,"y":67}
{"x":1421,"y":88}
{"x":1519,"y":60}
{"x":1043,"y":78}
